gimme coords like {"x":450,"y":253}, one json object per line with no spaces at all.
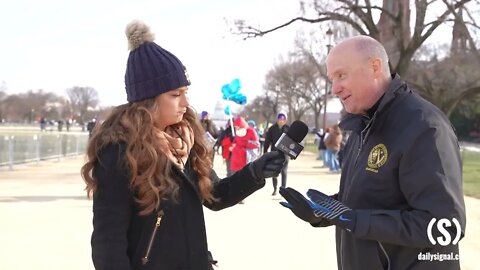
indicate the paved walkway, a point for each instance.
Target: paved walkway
{"x":46,"y":223}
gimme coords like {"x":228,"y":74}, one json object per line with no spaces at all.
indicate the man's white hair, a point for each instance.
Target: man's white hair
{"x":371,"y":48}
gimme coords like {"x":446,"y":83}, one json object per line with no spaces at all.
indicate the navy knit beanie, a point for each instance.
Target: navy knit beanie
{"x":151,"y":70}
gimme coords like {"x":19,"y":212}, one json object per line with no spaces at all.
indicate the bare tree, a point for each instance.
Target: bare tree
{"x":272,"y":97}
{"x":289,"y":82}
{"x":82,"y":99}
{"x":393,"y":27}
{"x":262,"y":109}
{"x":313,"y":90}
{"x":41,"y":103}
{"x":451,"y":80}
{"x":314,"y":72}
{"x":33,"y":105}
{"x":10,"y":105}
{"x":447,"y":82}
{"x":254,"y":110}
{"x":26,"y":107}
{"x":3,"y":96}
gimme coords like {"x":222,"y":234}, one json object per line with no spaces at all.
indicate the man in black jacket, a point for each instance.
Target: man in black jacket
{"x":400,"y":203}
{"x":90,"y":126}
{"x":272,"y":136}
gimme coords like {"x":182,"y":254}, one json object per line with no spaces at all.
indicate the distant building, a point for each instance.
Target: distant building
{"x":218,"y":116}
{"x":460,"y":41}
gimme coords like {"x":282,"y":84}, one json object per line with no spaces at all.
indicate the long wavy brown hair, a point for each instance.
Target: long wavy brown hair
{"x":150,"y":169}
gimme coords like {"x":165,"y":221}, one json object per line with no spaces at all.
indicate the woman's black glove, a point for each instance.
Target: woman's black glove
{"x":268,"y":165}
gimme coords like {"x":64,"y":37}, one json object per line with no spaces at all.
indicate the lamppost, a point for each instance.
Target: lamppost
{"x":329,"y":46}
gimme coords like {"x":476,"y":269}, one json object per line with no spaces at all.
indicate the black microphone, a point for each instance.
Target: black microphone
{"x":289,"y":143}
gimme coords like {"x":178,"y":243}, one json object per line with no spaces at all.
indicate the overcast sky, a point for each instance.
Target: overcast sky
{"x":56,"y":44}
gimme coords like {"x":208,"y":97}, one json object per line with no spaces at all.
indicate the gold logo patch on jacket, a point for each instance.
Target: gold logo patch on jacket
{"x":377,"y":157}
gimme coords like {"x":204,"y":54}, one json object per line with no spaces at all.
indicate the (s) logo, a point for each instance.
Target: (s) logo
{"x":441,"y":226}
{"x":291,"y":146}
{"x":377,"y":157}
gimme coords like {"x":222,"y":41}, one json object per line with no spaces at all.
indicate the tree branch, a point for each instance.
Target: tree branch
{"x":465,"y":94}
{"x":252,"y":32}
{"x":439,"y":21}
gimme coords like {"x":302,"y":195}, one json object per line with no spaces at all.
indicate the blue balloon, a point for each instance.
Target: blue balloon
{"x":226,"y":91}
{"x":231,"y":89}
{"x":235,"y":86}
{"x":227,"y":110}
{"x":238,"y":98}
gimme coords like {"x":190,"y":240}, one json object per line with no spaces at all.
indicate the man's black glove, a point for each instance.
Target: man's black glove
{"x":319,"y":209}
{"x":300,"y":206}
{"x":332,"y":210}
{"x":268,"y":165}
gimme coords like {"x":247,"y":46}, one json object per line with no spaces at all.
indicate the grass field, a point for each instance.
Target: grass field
{"x":471,"y":173}
{"x":471,"y":168}
{"x":309,"y":143}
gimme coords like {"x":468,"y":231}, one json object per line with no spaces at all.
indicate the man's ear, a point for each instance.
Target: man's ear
{"x":377,"y":66}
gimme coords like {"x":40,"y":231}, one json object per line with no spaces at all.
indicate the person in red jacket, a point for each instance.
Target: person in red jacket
{"x":245,"y":141}
{"x":225,"y":140}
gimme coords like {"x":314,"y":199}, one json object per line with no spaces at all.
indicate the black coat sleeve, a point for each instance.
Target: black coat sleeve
{"x":112,"y":208}
{"x":219,"y":139}
{"x":231,"y":190}
{"x":268,"y":140}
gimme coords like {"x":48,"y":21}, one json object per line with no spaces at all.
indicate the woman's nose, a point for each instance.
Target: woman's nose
{"x":185,"y":102}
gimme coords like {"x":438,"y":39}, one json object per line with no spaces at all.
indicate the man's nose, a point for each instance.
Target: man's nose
{"x":336,"y":88}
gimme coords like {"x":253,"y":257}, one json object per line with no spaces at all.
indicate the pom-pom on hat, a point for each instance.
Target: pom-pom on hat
{"x":151,"y":70}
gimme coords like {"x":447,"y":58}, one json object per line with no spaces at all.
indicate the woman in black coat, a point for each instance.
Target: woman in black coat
{"x":149,"y":170}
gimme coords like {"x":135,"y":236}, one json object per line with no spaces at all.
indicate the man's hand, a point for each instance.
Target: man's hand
{"x":267,"y":165}
{"x":321,"y":210}
{"x":300,"y":206}
{"x":334,"y":211}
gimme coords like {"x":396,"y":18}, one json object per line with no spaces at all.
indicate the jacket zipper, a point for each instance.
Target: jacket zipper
{"x":363,"y":138}
{"x":341,"y":252}
{"x":150,"y":243}
{"x":385,"y":253}
{"x":359,"y":148}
